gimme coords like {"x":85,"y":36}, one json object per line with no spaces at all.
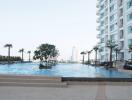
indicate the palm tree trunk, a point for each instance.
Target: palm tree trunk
{"x":8,"y":54}
{"x":116,"y":55}
{"x":131,"y":57}
{"x":29,"y":57}
{"x":111,"y":57}
{"x":88,"y":58}
{"x":22,"y":56}
{"x":95,"y":57}
{"x":83,"y":59}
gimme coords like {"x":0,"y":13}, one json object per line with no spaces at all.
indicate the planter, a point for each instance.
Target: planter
{"x":41,"y":66}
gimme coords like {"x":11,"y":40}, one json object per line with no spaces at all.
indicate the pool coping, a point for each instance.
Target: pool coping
{"x":84,"y":79}
{"x":74,"y":79}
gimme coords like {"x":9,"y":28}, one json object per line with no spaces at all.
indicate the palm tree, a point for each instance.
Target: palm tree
{"x":96,"y":51}
{"x":89,"y":52}
{"x":29,"y":52}
{"x":130,"y":50}
{"x":21,"y":51}
{"x":9,"y":46}
{"x":111,"y":45}
{"x":117,"y":50}
{"x":83,"y":54}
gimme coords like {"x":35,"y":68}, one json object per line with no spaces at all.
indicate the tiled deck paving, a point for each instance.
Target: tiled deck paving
{"x":118,"y":91}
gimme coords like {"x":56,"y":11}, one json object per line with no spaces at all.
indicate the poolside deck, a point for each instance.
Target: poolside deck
{"x":21,"y":87}
{"x":72,"y":92}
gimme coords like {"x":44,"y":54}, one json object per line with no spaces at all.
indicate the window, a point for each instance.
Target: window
{"x":112,"y":18}
{"x":120,"y":2}
{"x":102,"y":40}
{"x":130,"y":42}
{"x":129,"y":17}
{"x":102,"y":31}
{"x":102,"y":57}
{"x":121,"y":12}
{"x":102,"y":23}
{"x":101,"y":7}
{"x":113,"y":57}
{"x":111,"y":8}
{"x":101,"y":49}
{"x":129,"y":4}
{"x":112,"y":27}
{"x":121,"y":44}
{"x":112,"y":37}
{"x":102,"y":15}
{"x":121,"y":23}
{"x":122,"y":56}
{"x":121,"y":34}
{"x":106,"y":30}
{"x":106,"y":21}
{"x":130,"y":29}
{"x":111,"y":1}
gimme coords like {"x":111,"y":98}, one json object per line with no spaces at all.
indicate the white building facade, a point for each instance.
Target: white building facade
{"x":114,"y":22}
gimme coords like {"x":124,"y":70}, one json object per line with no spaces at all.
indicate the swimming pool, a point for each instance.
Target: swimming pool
{"x":63,"y":70}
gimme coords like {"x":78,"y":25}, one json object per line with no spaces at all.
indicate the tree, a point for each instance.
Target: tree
{"x":89,"y":52}
{"x":83,"y":54}
{"x":111,"y":45}
{"x":21,"y":51}
{"x":130,"y":50}
{"x":29,"y":52}
{"x":9,"y":46}
{"x":45,"y":52}
{"x":96,"y":51}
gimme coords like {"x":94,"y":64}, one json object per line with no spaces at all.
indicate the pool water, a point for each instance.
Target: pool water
{"x":63,"y":70}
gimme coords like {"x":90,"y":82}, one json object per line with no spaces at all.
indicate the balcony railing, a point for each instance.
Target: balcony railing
{"x":97,"y":12}
{"x":120,"y":3}
{"x":97,"y":28}
{"x":98,"y":36}
{"x":97,"y":5}
{"x":97,"y":20}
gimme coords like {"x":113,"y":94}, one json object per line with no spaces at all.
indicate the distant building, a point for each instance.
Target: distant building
{"x":74,"y":57}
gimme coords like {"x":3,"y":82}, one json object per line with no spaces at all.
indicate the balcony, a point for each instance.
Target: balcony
{"x":97,"y":5}
{"x":121,"y":23}
{"x":97,"y":20}
{"x":120,"y":3}
{"x":98,"y":36}
{"x":97,"y":13}
{"x":120,"y":13}
{"x":121,"y":45}
{"x":97,"y":28}
{"x":121,"y":34}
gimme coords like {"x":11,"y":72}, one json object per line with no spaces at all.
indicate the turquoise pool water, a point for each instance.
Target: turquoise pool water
{"x":63,"y":70}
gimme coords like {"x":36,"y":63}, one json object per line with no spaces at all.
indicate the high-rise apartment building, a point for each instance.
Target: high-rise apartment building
{"x":115,"y":23}
{"x":74,"y":57}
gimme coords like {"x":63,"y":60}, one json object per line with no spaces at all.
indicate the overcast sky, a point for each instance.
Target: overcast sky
{"x":64,"y":23}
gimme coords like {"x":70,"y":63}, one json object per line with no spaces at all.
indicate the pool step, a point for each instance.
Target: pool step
{"x":37,"y":81}
{"x":30,"y":80}
{"x":30,"y":77}
{"x":33,"y":84}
